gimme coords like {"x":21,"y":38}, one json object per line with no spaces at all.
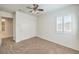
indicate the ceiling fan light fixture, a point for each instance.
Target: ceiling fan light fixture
{"x":34,"y":12}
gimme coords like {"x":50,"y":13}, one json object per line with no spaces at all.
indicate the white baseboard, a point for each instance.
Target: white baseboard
{"x":58,"y":43}
{"x":25,"y":38}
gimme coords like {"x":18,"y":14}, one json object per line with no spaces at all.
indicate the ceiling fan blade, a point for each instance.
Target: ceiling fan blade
{"x":40,"y":9}
{"x":29,"y":7}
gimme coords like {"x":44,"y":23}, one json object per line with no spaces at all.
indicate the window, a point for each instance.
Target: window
{"x":59,"y":23}
{"x":67,"y":24}
{"x":64,"y":24}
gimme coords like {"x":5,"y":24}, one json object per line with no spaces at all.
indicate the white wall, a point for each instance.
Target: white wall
{"x":6,"y":14}
{"x":14,"y":29}
{"x":47,"y":28}
{"x":25,"y":26}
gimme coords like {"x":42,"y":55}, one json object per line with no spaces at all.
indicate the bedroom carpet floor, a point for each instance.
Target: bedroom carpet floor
{"x":33,"y":45}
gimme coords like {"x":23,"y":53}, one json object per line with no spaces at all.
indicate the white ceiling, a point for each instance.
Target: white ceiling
{"x":47,"y":7}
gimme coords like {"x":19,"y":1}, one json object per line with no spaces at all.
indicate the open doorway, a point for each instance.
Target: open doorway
{"x":6,"y":29}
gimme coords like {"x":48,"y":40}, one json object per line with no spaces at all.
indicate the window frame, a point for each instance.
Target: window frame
{"x":63,"y":24}
{"x":57,"y":24}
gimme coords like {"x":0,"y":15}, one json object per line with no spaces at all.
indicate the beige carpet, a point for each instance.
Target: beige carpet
{"x":33,"y":46}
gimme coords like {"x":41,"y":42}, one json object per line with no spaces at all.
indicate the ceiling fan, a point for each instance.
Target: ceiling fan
{"x":35,"y":8}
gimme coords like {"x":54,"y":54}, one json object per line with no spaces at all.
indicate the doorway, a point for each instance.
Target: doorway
{"x":6,"y":29}
{"x":6,"y":32}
